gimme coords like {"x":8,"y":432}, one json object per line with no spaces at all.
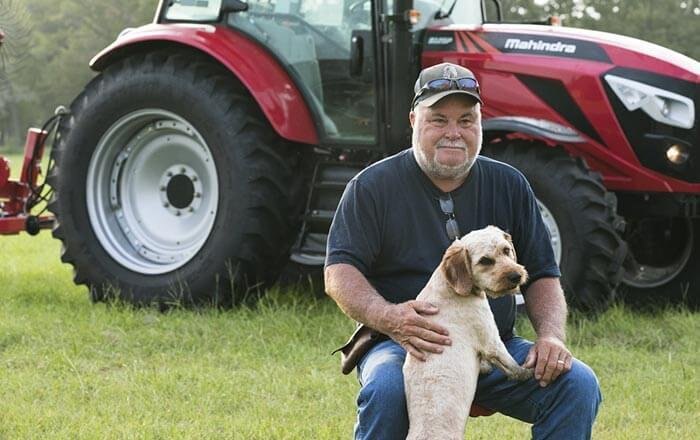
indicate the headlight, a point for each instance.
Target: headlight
{"x":677,"y":154}
{"x":661,"y":105}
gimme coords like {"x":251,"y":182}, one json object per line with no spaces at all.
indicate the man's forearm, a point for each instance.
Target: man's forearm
{"x":405,"y":323}
{"x":355,"y":295}
{"x":546,"y":307}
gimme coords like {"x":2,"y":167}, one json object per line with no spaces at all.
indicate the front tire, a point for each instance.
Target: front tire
{"x":663,"y":265}
{"x":580,"y":215}
{"x":170,"y":185}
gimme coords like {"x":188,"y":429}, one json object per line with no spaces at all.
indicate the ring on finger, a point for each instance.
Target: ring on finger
{"x":561,"y":362}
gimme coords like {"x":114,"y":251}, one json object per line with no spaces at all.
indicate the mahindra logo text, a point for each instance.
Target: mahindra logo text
{"x":516,"y":43}
{"x":440,"y":40}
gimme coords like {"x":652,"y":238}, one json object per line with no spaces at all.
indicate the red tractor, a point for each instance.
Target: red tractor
{"x":214,"y":144}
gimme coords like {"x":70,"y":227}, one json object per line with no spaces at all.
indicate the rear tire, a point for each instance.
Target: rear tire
{"x":171,"y":186}
{"x":581,"y":215}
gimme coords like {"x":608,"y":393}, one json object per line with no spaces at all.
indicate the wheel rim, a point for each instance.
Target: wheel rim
{"x":648,"y":276}
{"x":551,"y":224}
{"x":152,"y":191}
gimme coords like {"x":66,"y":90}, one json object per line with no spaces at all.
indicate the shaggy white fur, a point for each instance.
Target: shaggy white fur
{"x":439,"y":391}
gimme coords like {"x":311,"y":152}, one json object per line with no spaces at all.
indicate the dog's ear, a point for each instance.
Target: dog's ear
{"x":508,"y":237}
{"x":456,"y":266}
{"x":512,"y":246}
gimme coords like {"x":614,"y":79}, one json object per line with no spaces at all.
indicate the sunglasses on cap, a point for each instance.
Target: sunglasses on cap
{"x":467,"y":84}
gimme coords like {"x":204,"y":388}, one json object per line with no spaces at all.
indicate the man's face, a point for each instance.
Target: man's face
{"x":447,"y":136}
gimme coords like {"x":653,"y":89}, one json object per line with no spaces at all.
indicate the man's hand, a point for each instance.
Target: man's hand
{"x":405,"y":324}
{"x":546,"y":307}
{"x":550,"y":358}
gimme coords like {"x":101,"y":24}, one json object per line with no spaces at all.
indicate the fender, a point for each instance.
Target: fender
{"x":541,"y":128}
{"x":263,"y":76}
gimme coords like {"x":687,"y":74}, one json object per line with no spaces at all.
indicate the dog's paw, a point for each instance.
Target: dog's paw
{"x":522,"y":374}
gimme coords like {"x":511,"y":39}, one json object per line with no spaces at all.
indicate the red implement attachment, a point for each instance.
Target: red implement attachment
{"x":15,"y":215}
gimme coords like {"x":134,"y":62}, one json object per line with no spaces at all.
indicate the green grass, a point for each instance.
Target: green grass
{"x":75,"y":370}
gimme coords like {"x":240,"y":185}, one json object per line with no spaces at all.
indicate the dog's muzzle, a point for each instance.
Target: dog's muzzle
{"x":514,"y":278}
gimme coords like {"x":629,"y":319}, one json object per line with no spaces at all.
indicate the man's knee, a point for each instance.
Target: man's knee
{"x":572,"y":405}
{"x":581,"y":387}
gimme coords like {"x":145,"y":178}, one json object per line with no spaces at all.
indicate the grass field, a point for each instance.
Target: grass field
{"x":75,"y":370}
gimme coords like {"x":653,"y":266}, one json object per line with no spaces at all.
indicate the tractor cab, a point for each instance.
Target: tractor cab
{"x":328,"y":48}
{"x":353,"y":60}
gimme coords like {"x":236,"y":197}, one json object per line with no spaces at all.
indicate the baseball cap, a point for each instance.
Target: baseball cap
{"x":440,"y":80}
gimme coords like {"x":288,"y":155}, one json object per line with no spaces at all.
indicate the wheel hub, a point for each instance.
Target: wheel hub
{"x":180,"y":190}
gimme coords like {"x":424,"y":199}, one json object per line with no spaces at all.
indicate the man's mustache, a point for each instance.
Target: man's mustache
{"x":461,"y":145}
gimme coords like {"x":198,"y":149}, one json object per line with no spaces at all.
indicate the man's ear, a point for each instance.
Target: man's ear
{"x":456,"y":266}
{"x":412,"y":118}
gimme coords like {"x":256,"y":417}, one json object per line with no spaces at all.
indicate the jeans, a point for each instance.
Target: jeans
{"x":565,"y":409}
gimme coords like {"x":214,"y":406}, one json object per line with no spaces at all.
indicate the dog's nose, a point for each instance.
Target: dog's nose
{"x":514,"y":277}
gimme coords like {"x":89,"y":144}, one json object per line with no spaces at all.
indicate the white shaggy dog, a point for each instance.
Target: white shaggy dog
{"x":439,"y":391}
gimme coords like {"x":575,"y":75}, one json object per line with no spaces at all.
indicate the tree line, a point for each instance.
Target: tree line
{"x":44,"y":60}
{"x":50,"y":66}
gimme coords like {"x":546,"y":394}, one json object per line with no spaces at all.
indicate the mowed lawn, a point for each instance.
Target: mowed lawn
{"x":76,"y":370}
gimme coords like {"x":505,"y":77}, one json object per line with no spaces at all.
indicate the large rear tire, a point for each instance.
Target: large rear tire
{"x":580,"y":215}
{"x":170,"y":185}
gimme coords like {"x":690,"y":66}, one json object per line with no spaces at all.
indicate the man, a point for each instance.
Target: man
{"x":390,"y":231}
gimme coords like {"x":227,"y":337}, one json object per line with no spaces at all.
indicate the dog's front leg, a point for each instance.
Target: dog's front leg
{"x":485,"y":366}
{"x":498,"y":355}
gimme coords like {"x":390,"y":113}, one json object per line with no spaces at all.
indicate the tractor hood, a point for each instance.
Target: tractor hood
{"x":558,"y":41}
{"x":576,"y":80}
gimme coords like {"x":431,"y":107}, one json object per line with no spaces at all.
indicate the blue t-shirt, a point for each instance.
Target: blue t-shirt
{"x":389,"y":225}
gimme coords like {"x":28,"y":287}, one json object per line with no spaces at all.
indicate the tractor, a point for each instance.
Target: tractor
{"x":210,"y":151}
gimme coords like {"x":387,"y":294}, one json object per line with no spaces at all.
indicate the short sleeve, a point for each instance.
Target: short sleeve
{"x":354,"y":236}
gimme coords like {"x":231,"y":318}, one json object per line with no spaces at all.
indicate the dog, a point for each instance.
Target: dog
{"x":440,"y":390}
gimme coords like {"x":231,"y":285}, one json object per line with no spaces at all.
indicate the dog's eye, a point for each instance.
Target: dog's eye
{"x":486,"y":261}
{"x":506,"y":251}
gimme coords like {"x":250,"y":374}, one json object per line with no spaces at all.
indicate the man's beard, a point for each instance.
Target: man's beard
{"x":437,"y":170}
